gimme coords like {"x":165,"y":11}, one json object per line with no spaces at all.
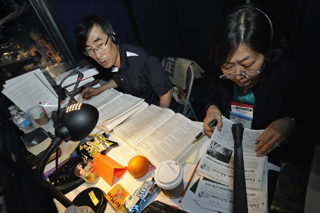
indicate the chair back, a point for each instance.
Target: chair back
{"x":182,"y":74}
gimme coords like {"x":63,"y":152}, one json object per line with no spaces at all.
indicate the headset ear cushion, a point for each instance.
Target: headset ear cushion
{"x":114,"y":38}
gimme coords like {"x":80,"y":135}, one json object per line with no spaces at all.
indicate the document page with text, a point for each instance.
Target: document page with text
{"x":170,"y":140}
{"x":141,"y":126}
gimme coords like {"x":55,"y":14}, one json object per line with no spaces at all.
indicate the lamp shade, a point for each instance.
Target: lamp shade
{"x":79,"y":119}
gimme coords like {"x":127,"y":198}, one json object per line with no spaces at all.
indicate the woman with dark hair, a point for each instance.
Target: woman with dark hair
{"x":250,"y":68}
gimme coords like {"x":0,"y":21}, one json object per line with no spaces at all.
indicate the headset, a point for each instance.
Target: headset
{"x":269,"y":53}
{"x":271,"y":25}
{"x":113,"y":38}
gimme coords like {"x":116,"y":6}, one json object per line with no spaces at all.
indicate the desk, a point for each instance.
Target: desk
{"x":130,"y":184}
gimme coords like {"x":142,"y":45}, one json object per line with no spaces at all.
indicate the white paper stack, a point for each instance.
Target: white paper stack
{"x":30,"y":89}
{"x":69,"y":83}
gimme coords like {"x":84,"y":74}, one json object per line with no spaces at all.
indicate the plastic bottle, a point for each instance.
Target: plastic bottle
{"x":10,"y":108}
{"x":22,"y":120}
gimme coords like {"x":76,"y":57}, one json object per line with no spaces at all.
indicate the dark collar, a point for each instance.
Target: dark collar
{"x":124,"y":62}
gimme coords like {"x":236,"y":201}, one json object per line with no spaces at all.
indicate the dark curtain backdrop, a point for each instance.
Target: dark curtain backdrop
{"x":182,"y":28}
{"x":165,"y":27}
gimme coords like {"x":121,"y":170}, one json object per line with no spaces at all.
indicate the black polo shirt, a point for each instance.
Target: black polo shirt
{"x":140,"y":74}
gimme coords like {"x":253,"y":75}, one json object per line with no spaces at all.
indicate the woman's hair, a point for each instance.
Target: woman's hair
{"x":245,"y":25}
{"x":84,"y":25}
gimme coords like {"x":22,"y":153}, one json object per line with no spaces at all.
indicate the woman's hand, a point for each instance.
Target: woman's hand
{"x":274,"y":135}
{"x":212,"y":113}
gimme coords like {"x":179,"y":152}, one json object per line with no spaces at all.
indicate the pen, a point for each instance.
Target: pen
{"x":213,"y":123}
{"x":185,"y":189}
{"x":85,"y":94}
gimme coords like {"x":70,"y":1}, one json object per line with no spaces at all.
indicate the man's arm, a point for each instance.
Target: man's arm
{"x":88,"y":92}
{"x":165,"y":99}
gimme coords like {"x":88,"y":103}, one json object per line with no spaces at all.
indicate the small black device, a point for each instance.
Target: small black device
{"x":160,"y":207}
{"x":114,"y":38}
{"x":67,"y":180}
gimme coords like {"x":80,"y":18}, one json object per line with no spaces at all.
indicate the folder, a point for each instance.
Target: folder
{"x":107,"y":168}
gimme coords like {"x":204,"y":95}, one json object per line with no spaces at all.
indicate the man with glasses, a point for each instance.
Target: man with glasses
{"x":132,"y":68}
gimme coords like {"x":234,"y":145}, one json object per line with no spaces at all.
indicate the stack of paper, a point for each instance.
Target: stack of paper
{"x":88,"y":74}
{"x":215,"y":189}
{"x":30,"y":89}
{"x":115,"y":107}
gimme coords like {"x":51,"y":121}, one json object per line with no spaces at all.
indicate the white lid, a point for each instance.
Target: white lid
{"x":14,"y":111}
{"x":168,"y":174}
{"x":11,"y":108}
{"x":34,"y":109}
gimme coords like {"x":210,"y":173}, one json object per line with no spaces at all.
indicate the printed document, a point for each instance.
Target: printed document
{"x":160,"y":135}
{"x":218,"y":160}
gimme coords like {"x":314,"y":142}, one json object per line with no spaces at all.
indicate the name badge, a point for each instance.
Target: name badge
{"x":242,"y":113}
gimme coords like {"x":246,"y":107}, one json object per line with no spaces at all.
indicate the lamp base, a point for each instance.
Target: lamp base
{"x":92,"y":197}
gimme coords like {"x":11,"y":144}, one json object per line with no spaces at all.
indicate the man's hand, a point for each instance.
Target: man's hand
{"x":274,"y":135}
{"x":88,"y":92}
{"x":212,"y":113}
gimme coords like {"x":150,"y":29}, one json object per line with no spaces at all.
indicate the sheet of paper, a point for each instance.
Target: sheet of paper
{"x":116,"y":109}
{"x":35,"y":150}
{"x":29,"y":91}
{"x":79,"y":98}
{"x":171,"y":140}
{"x":218,"y":160}
{"x":73,"y":78}
{"x":123,"y":153}
{"x":192,"y":158}
{"x":83,"y":82}
{"x":112,"y":123}
{"x":220,"y":197}
{"x":141,"y":126}
{"x":103,"y":98}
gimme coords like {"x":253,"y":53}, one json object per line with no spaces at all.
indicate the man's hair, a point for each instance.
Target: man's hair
{"x":84,"y":25}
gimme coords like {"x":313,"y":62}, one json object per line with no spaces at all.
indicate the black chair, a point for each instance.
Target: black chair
{"x":182,"y":72}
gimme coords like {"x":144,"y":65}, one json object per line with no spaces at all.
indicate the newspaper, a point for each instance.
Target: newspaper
{"x":218,"y":197}
{"x":218,"y":160}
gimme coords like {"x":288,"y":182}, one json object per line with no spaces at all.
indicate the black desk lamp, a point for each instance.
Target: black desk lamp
{"x":75,"y":124}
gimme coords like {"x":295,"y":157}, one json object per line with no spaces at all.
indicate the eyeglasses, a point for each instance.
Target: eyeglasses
{"x":100,"y":48}
{"x":243,"y":73}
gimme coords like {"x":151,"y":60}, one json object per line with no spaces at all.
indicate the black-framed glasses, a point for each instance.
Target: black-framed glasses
{"x":100,"y":48}
{"x":243,"y":73}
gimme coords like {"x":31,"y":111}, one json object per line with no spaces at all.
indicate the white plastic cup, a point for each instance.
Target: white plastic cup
{"x":169,"y":177}
{"x":38,"y":114}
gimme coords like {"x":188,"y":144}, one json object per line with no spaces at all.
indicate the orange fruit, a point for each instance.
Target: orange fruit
{"x":138,"y":166}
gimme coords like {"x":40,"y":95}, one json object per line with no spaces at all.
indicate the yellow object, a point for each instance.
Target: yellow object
{"x":117,"y":196}
{"x":93,"y":198}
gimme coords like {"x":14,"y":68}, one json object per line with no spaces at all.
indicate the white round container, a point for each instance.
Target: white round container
{"x":37,"y":113}
{"x":169,"y":177}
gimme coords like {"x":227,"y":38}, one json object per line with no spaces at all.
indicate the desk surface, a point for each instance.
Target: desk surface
{"x":131,"y":184}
